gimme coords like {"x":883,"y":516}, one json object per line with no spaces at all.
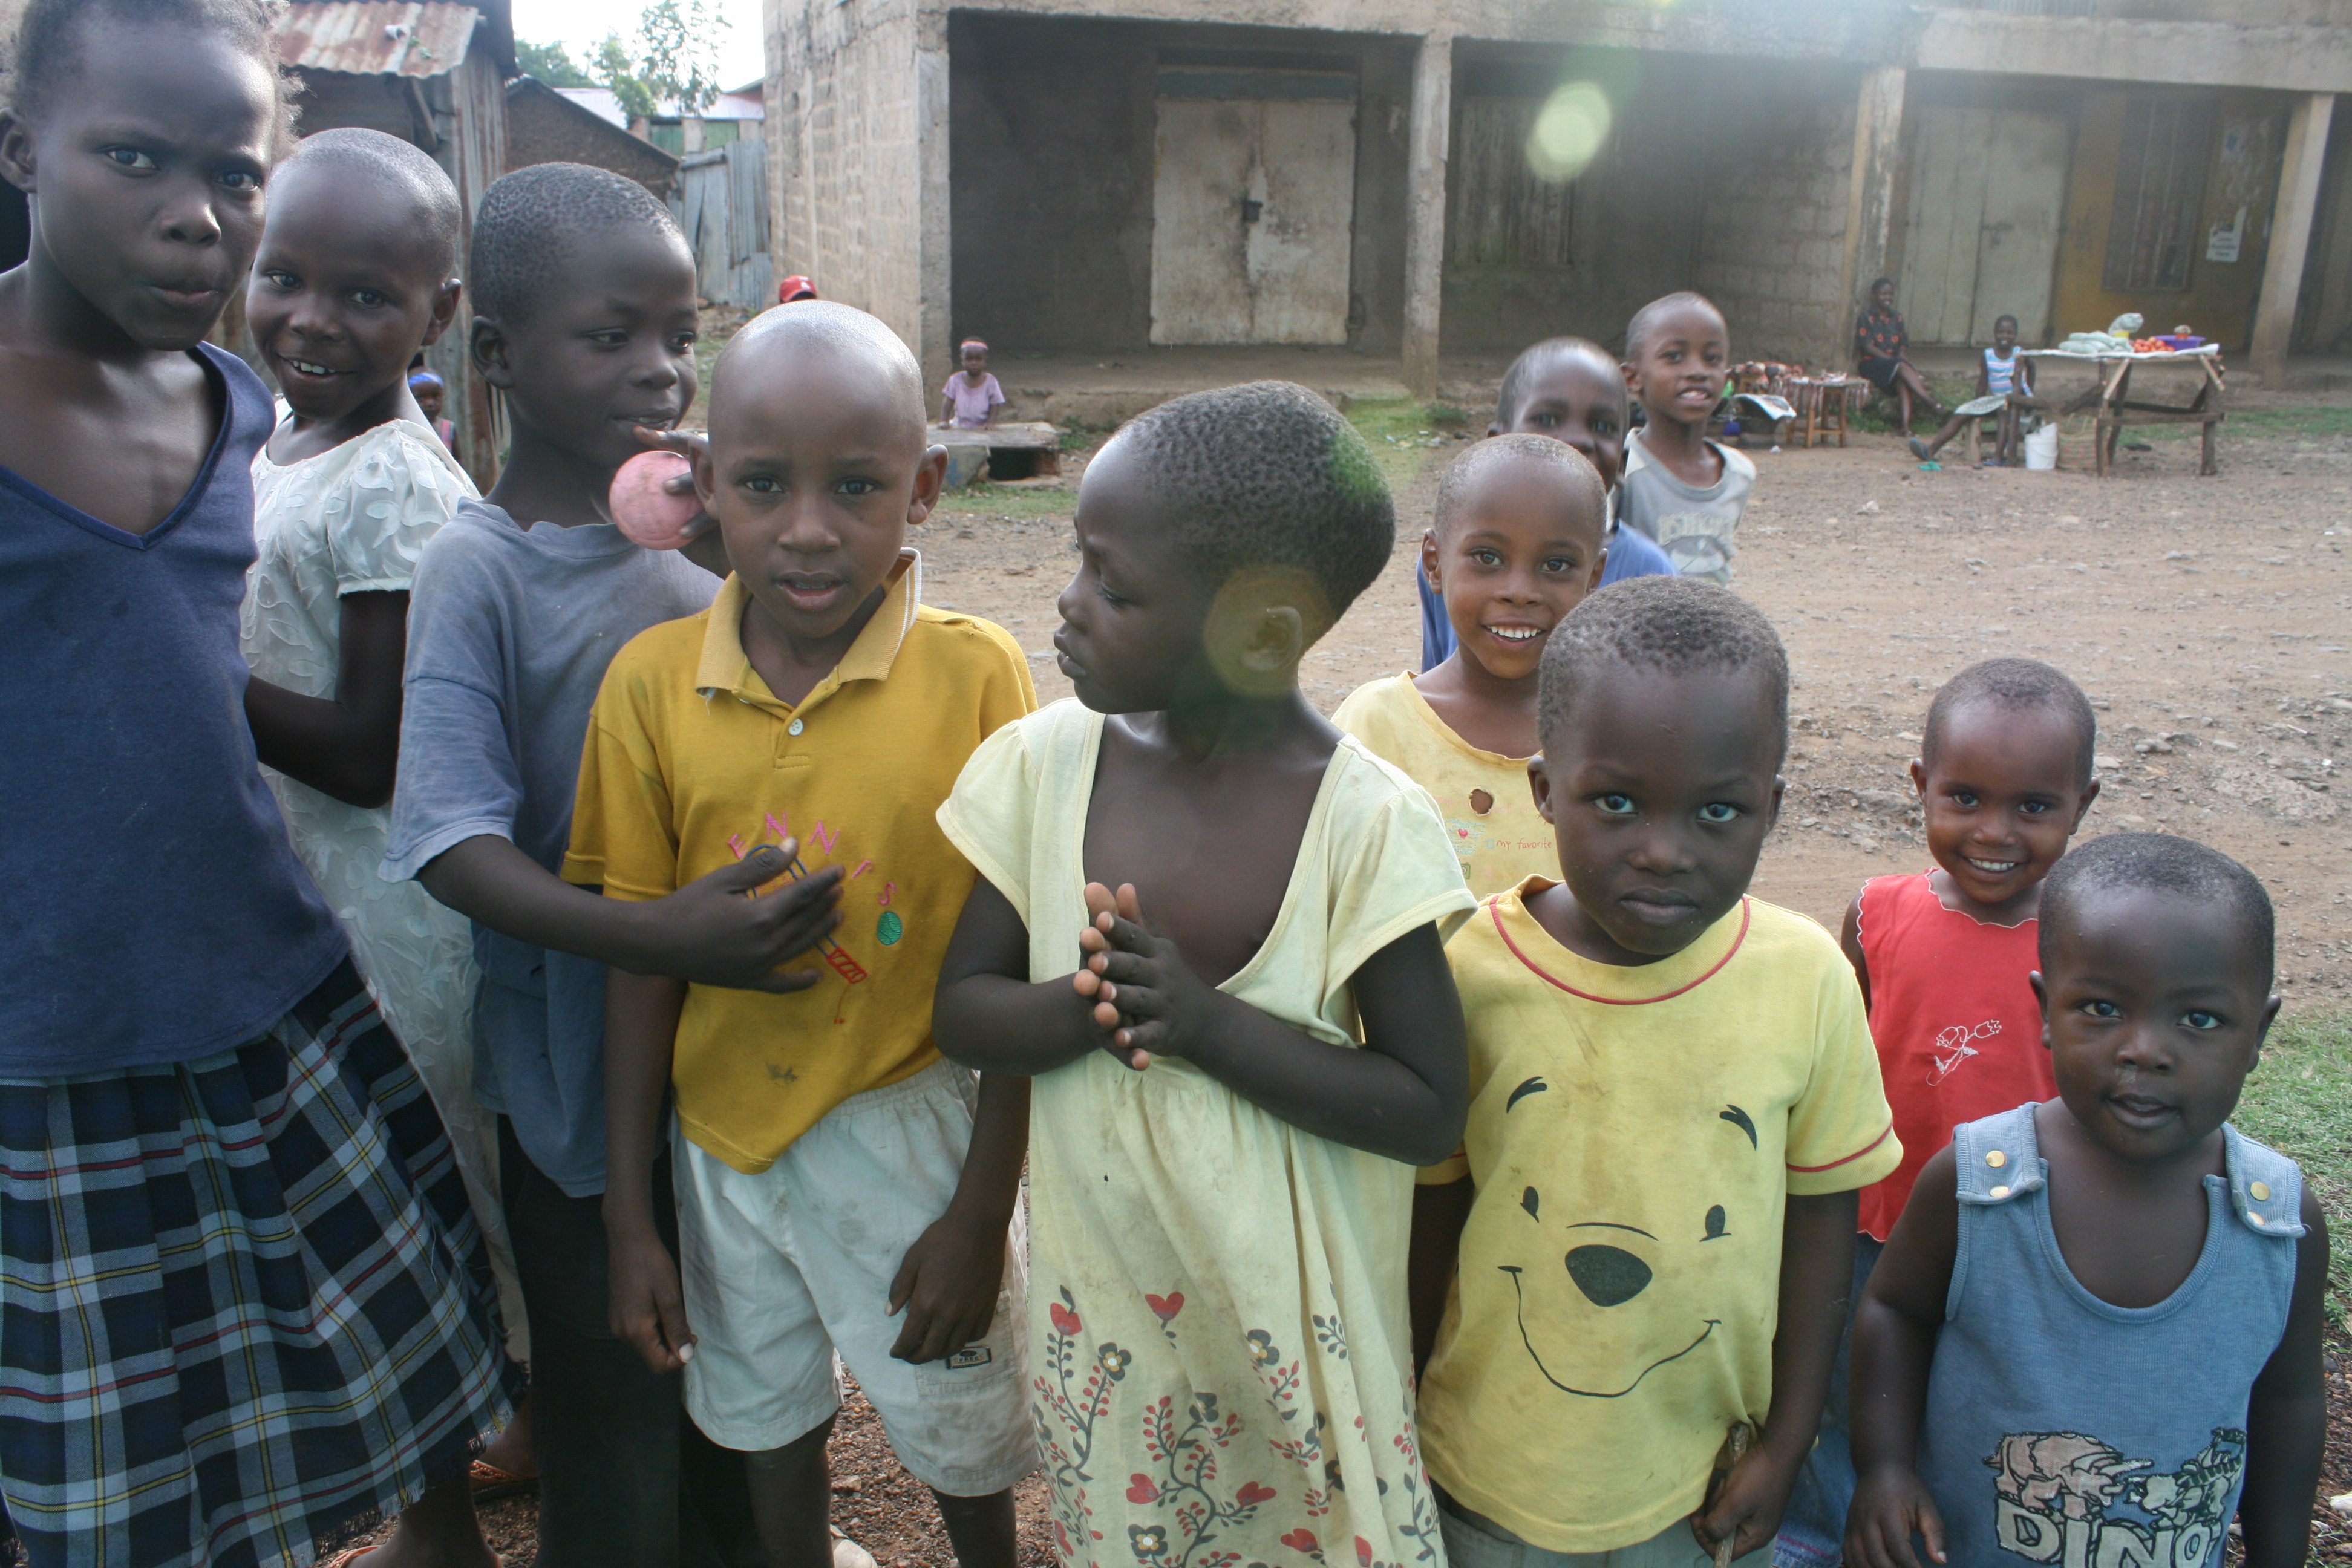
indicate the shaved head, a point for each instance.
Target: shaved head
{"x":411,"y":185}
{"x":820,"y":329}
{"x":1566,"y":472}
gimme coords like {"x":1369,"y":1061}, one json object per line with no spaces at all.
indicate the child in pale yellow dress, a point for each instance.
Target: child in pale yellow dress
{"x":1239,"y":1056}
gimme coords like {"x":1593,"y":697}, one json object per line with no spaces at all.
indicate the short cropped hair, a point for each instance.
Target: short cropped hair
{"x":1513,"y":395}
{"x":1267,"y":475}
{"x":46,"y":54}
{"x":1573,"y":472}
{"x":430,"y":201}
{"x":531,"y":219}
{"x":2005,"y":316}
{"x":827,"y":325}
{"x":2161,"y":863}
{"x":1639,"y":330}
{"x":2017,"y":685}
{"x":1674,"y":624}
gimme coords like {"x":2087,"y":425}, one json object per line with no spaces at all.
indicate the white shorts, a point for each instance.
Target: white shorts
{"x":787,"y":1275}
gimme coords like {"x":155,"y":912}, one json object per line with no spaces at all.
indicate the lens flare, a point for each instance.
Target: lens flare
{"x":1569,"y":132}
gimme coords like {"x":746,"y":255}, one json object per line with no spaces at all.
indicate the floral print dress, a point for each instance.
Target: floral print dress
{"x":1218,"y":1338}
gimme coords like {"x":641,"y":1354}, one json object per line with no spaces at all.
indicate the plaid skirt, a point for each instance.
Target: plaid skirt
{"x":242,"y":1298}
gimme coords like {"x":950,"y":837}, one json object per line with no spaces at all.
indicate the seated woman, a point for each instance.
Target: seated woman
{"x":1880,"y":341}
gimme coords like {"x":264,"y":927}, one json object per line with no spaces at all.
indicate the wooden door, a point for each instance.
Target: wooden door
{"x":2025,"y":201}
{"x":1254,"y":206}
{"x":1987,"y":190}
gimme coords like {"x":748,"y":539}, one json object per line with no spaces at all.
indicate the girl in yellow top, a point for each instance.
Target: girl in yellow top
{"x":1517,"y":544}
{"x":1229,"y":1092}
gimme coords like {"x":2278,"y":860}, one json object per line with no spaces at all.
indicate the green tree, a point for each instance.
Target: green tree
{"x":551,"y":63}
{"x":618,"y":72}
{"x":681,"y":51}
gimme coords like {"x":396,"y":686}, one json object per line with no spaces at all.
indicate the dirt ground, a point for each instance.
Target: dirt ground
{"x":2208,"y":618}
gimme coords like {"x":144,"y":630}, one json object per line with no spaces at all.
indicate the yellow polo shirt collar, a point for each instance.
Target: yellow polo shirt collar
{"x":724,"y":667}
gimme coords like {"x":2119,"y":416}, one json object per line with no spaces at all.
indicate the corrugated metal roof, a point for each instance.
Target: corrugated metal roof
{"x":376,"y":38}
{"x":743,"y":103}
{"x":600,"y":102}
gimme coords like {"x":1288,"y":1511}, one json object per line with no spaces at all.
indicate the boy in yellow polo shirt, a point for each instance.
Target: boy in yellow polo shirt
{"x":831,"y":1169}
{"x":1674,"y":1101}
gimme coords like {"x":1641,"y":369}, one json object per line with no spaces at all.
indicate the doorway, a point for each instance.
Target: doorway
{"x":1254,"y":204}
{"x":1988,"y":197}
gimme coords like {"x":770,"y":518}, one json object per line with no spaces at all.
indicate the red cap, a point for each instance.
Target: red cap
{"x":794,"y":287}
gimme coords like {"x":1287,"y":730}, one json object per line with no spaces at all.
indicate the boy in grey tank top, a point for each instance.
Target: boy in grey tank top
{"x":2094,"y":1335}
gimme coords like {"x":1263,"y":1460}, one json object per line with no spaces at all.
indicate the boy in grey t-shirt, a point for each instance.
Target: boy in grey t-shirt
{"x":1680,"y":488}
{"x":587,"y":301}
{"x":509,"y":633}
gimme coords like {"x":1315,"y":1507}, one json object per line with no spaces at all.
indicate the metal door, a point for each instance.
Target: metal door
{"x":1253,"y":205}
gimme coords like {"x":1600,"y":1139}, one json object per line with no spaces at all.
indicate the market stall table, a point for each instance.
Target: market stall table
{"x":2110,"y":394}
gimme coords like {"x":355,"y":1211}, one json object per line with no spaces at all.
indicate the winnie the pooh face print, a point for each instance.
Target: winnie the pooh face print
{"x":1604,"y":1303}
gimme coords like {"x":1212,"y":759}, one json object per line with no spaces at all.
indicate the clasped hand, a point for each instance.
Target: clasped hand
{"x":1147,"y":999}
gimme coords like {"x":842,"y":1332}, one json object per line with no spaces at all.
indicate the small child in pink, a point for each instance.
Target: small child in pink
{"x":972,"y":397}
{"x":2004,"y":777}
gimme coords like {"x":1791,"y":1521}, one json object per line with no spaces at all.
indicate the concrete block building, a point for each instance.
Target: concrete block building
{"x":1423,"y":180}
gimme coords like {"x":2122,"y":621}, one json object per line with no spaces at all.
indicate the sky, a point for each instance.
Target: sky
{"x":581,"y":25}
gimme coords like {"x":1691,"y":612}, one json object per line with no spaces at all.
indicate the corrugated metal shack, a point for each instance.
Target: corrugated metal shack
{"x":433,"y":72}
{"x":721,"y":200}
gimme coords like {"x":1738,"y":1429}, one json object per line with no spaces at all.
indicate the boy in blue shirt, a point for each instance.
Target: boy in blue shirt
{"x":1570,"y":390}
{"x":2094,"y":1335}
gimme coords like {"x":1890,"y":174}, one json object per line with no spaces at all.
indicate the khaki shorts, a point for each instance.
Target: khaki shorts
{"x":787,"y":1276}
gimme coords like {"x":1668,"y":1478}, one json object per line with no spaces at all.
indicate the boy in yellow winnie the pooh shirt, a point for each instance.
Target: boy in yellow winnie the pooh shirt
{"x":1674,"y":1102}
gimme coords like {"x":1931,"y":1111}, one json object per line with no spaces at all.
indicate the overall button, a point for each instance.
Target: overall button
{"x":793,"y":728}
{"x":1996,"y":1159}
{"x":2000,"y":1192}
{"x":2261,"y":1191}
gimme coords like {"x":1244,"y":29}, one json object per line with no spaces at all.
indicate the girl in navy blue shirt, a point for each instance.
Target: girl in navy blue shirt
{"x":246,"y":1299}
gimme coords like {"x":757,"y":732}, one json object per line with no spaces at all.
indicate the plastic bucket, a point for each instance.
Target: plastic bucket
{"x":2041,"y":448}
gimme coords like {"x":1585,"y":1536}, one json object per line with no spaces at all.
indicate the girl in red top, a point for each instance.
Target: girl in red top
{"x":2004,"y":777}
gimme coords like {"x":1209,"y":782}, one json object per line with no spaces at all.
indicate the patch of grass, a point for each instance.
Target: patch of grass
{"x":2294,"y":1101}
{"x":1401,"y":432}
{"x":2256,"y":422}
{"x":1010,"y":500}
{"x":1877,"y":415}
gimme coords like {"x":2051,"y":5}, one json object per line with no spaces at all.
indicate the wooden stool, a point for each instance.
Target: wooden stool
{"x":1824,"y":405}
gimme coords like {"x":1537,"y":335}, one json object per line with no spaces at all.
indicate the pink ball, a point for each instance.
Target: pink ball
{"x":644,"y":511}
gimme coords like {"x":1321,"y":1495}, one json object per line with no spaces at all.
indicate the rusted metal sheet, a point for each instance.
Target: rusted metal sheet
{"x":376,"y":38}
